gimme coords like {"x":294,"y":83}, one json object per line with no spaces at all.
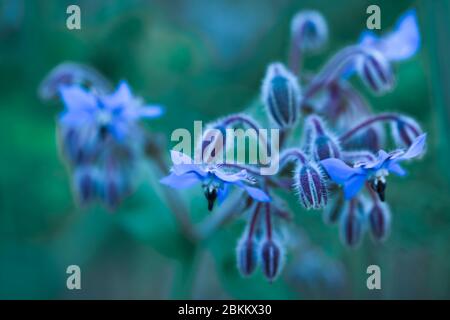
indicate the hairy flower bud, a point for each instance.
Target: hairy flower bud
{"x":310,"y":185}
{"x":323,"y":143}
{"x":272,"y":258}
{"x":309,"y":30}
{"x":376,"y":72}
{"x":352,"y":223}
{"x":281,"y":95}
{"x":379,"y":220}
{"x":247,"y":255}
{"x":405,"y":131}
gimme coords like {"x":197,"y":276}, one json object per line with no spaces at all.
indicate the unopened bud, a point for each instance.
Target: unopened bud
{"x":352,"y":223}
{"x":379,"y":220}
{"x":376,"y":72}
{"x":281,"y":95}
{"x":323,"y":143}
{"x":309,"y":30}
{"x":333,"y":211}
{"x":272,"y":258}
{"x":311,"y":186}
{"x":405,"y":131}
{"x":247,"y":255}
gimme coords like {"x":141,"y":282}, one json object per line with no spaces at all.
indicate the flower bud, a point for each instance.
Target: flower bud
{"x":85,"y":184}
{"x":281,"y":95}
{"x":333,"y":211}
{"x":247,"y":255}
{"x":405,"y":131}
{"x":311,"y":186}
{"x":272,"y":258}
{"x":379,"y":220}
{"x":309,"y":30}
{"x":352,"y":223}
{"x":323,"y":144}
{"x":376,"y":72}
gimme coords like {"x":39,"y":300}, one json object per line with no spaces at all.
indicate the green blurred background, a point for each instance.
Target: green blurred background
{"x":202,"y":60}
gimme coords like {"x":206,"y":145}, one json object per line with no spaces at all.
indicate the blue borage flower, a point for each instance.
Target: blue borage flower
{"x":112,"y":114}
{"x":353,"y":179}
{"x":401,"y":43}
{"x":398,"y":45}
{"x":215,"y":179}
{"x":102,"y":141}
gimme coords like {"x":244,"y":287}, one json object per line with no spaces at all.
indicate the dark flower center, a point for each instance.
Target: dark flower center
{"x":379,"y":186}
{"x":211,"y":196}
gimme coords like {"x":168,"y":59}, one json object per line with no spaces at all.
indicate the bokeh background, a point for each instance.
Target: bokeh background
{"x":202,"y":60}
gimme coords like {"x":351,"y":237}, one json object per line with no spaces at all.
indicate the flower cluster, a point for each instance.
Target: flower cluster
{"x":339,"y":163}
{"x":99,"y":133}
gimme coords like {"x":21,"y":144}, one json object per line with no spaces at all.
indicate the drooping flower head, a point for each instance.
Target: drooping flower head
{"x":215,"y":179}
{"x":374,"y":171}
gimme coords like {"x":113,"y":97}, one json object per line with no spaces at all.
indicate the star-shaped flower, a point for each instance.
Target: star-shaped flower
{"x":353,"y":178}
{"x":215,"y":179}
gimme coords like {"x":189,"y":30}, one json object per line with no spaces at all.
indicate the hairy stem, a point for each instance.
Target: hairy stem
{"x":366,"y":123}
{"x":333,"y":69}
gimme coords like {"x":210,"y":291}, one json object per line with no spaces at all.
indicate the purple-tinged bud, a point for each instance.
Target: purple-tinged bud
{"x":376,"y":72}
{"x":311,"y":186}
{"x":379,"y":220}
{"x":272,"y":258}
{"x":247,"y":255}
{"x":333,"y":210}
{"x":352,"y":223}
{"x":85,"y":183}
{"x":405,"y":131}
{"x":324,"y":144}
{"x":309,"y":30}
{"x":281,"y":95}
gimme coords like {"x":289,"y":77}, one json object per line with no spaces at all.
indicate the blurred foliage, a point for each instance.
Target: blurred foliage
{"x":201,"y":59}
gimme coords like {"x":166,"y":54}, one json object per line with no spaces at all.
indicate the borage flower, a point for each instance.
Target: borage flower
{"x":375,"y":172}
{"x":101,"y":132}
{"x":111,"y":114}
{"x":399,"y":44}
{"x":216,"y":179}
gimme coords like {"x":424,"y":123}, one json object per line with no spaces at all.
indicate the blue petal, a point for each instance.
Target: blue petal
{"x":150,"y":111}
{"x":416,"y":149}
{"x":233,"y":177}
{"x":255,"y":193}
{"x":382,"y":157}
{"x":400,"y":44}
{"x":180,"y":181}
{"x":119,"y":97}
{"x":338,"y":170}
{"x":353,"y":185}
{"x":183,"y":164}
{"x":76,"y":98}
{"x":76,"y":118}
{"x":396,"y":168}
{"x":223,"y":193}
